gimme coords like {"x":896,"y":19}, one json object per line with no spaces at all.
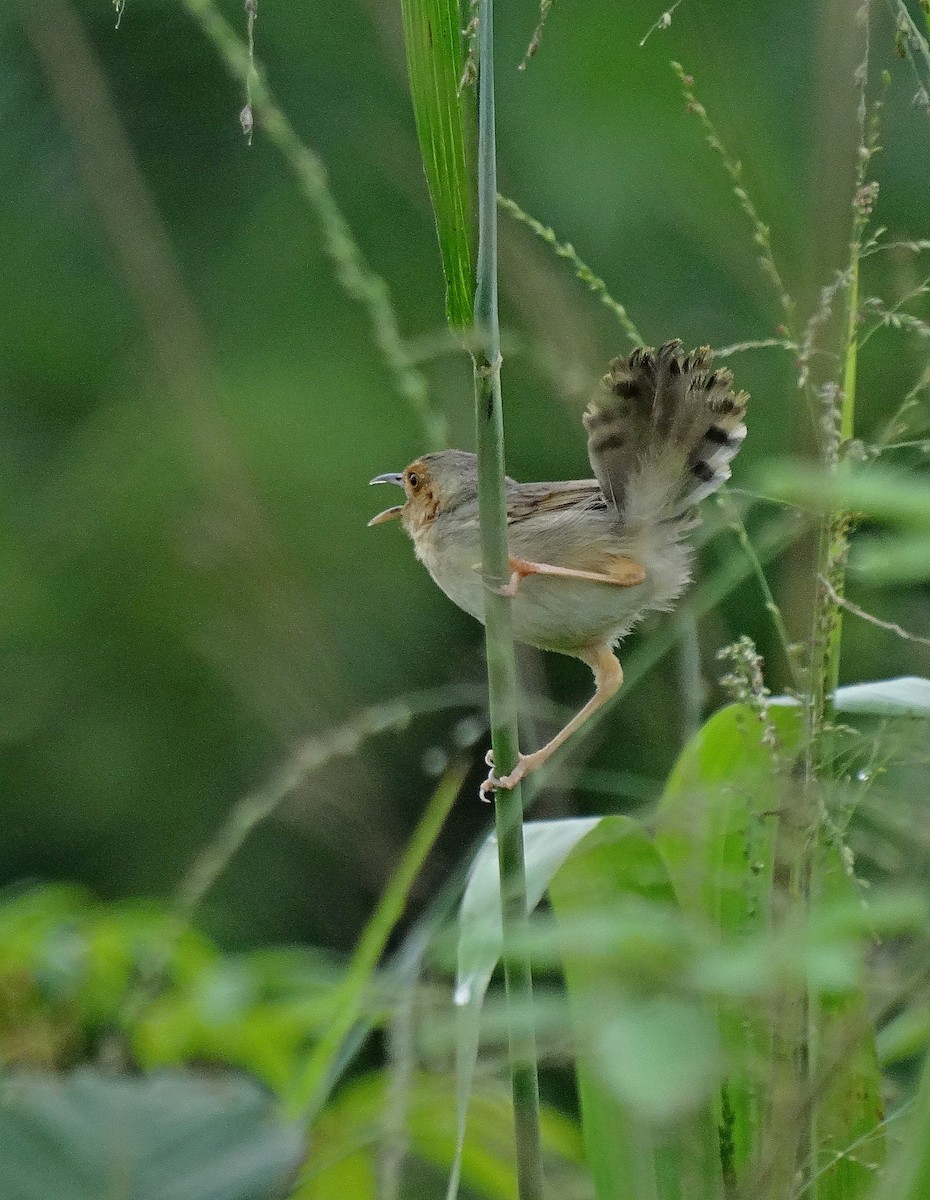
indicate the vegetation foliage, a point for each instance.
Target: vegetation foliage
{"x":210,"y":346}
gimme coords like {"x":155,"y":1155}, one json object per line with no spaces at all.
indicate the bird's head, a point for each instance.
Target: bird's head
{"x":433,"y":484}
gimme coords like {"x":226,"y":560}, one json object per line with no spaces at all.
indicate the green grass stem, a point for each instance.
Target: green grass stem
{"x":502,"y":671}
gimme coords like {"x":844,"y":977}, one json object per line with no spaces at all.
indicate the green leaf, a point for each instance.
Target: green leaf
{"x":904,"y":697}
{"x":317,"y":1076}
{"x":892,"y":559}
{"x":884,"y":493}
{"x":344,"y":1156}
{"x":90,"y":1136}
{"x":435,"y":62}
{"x":718,"y":821}
{"x":908,"y":1174}
{"x":647,"y":1058}
{"x":546,"y":846}
{"x":905,"y":1035}
{"x":660,"y":1056}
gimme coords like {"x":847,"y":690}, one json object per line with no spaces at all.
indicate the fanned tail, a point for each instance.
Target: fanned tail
{"x":662,"y":432}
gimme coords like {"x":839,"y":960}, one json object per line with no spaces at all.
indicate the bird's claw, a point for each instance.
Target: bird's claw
{"x":511,"y":587}
{"x":508,"y":589}
{"x":492,"y":784}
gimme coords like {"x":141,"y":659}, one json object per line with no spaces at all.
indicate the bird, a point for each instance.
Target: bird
{"x":588,"y":558}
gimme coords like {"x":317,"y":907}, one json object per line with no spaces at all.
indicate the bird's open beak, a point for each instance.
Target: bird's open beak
{"x":389,"y":513}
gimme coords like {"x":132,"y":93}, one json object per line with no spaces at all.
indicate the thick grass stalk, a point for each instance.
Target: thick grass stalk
{"x":834,"y":541}
{"x":801,"y":829}
{"x":502,"y":671}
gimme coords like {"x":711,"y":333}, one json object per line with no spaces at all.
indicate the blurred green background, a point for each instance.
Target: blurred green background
{"x":192,"y":407}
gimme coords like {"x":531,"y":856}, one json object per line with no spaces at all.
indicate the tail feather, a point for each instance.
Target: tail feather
{"x":663,"y":431}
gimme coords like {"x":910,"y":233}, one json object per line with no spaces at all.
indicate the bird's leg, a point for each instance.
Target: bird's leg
{"x":608,"y":676}
{"x":623,"y":572}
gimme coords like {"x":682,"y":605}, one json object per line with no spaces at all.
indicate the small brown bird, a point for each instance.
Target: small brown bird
{"x":589,"y":557}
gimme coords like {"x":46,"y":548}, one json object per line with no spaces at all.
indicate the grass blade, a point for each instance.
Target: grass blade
{"x":435,"y":63}
{"x":311,"y":1089}
{"x":548,"y":844}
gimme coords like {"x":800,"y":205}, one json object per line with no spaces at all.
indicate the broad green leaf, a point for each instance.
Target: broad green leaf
{"x":905,"y":1036}
{"x":91,"y":1136}
{"x":435,"y":63}
{"x":660,"y":1055}
{"x":648,"y":1061}
{"x":718,"y":821}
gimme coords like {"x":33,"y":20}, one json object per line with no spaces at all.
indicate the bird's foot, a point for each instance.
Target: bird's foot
{"x":508,"y":589}
{"x":525,"y":764}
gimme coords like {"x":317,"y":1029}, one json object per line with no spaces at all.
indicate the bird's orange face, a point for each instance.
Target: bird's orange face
{"x":422,"y":492}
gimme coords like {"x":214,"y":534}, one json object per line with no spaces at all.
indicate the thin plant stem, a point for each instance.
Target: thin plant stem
{"x":312,"y":1087}
{"x":662,"y":22}
{"x":502,"y":670}
{"x":692,"y":688}
{"x":733,"y":168}
{"x":738,"y":526}
{"x":256,"y":807}
{"x":582,"y":271}
{"x":856,"y":611}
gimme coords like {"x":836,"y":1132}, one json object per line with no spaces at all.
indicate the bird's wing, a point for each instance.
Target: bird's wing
{"x":568,"y":525}
{"x":528,"y":500}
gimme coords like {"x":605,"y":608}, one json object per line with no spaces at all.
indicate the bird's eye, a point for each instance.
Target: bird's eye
{"x":414,"y":480}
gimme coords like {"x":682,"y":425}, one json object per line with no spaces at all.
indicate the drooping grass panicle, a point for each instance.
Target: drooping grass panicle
{"x":353,"y":271}
{"x":582,"y":271}
{"x":246,"y":116}
{"x":536,"y":39}
{"x":663,"y":21}
{"x":734,"y":169}
{"x":912,"y":45}
{"x":775,"y":343}
{"x":893,"y":316}
{"x":838,"y":425}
